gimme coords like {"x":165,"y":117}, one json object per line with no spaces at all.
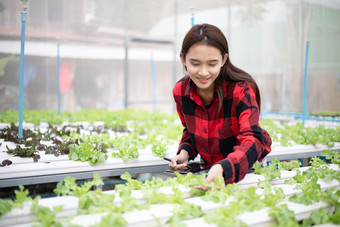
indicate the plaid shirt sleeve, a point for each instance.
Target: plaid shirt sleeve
{"x":185,"y":143}
{"x":253,"y":143}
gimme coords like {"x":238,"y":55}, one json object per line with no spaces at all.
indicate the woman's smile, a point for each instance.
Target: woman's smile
{"x":203,"y":80}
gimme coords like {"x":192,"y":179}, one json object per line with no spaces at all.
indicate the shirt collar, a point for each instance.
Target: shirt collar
{"x":191,"y":92}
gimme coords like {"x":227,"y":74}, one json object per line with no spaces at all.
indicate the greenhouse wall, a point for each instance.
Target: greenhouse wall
{"x":266,"y":38}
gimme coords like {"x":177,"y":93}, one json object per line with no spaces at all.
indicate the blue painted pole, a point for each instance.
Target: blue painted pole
{"x":304,"y":103}
{"x":58,"y":77}
{"x":21,"y":88}
{"x":153,"y":75}
{"x":192,"y":16}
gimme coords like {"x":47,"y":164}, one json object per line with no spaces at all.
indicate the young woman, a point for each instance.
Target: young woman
{"x":219,"y":107}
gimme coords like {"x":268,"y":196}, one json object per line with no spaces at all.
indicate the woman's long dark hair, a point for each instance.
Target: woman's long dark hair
{"x":212,"y":35}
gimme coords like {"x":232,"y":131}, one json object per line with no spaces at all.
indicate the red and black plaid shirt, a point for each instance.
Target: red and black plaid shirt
{"x":234,"y":139}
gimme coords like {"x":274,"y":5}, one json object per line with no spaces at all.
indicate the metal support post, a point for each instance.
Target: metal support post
{"x":22,"y":54}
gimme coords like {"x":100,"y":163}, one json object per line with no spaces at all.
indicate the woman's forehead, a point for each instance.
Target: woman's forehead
{"x":204,"y":51}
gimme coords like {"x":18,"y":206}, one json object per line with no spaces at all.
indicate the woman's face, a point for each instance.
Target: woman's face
{"x":203,"y":63}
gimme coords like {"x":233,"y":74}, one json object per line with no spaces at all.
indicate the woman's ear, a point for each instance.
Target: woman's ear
{"x":225,"y":58}
{"x":182,"y":59}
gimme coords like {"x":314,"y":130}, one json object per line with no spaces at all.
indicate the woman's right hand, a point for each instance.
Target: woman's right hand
{"x":182,"y":158}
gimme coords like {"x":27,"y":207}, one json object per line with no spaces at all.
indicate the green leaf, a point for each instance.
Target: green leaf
{"x":21,"y":196}
{"x":224,"y":217}
{"x":5,"y":206}
{"x":46,"y":217}
{"x":95,"y":201}
{"x":112,"y":219}
{"x":283,"y":216}
{"x":69,"y":187}
{"x":126,"y":176}
{"x":86,"y":152}
{"x":326,"y":153}
{"x":185,"y":211}
{"x":97,"y":180}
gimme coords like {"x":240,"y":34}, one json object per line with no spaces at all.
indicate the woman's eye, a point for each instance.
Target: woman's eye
{"x":212,"y":65}
{"x":195,"y":64}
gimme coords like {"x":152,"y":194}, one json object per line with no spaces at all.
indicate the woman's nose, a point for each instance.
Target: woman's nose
{"x":203,"y":71}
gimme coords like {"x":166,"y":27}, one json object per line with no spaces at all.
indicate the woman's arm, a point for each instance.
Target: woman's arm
{"x":251,"y":140}
{"x":185,"y":143}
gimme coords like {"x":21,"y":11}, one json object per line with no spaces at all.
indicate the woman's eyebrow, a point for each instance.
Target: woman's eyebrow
{"x":196,"y":60}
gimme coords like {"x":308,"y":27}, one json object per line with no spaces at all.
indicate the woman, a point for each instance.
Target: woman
{"x":219,"y":106}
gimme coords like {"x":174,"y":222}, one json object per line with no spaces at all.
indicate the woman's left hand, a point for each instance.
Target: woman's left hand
{"x":216,"y":171}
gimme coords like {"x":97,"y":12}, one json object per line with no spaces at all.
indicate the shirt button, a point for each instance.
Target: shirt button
{"x":205,"y":131}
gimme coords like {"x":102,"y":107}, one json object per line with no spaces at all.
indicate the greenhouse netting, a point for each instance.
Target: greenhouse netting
{"x":117,"y":54}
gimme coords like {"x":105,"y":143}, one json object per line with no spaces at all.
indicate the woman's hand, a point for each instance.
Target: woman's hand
{"x":216,"y":171}
{"x":183,"y":158}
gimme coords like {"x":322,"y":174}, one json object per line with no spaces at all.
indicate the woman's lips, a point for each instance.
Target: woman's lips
{"x":203,"y":80}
